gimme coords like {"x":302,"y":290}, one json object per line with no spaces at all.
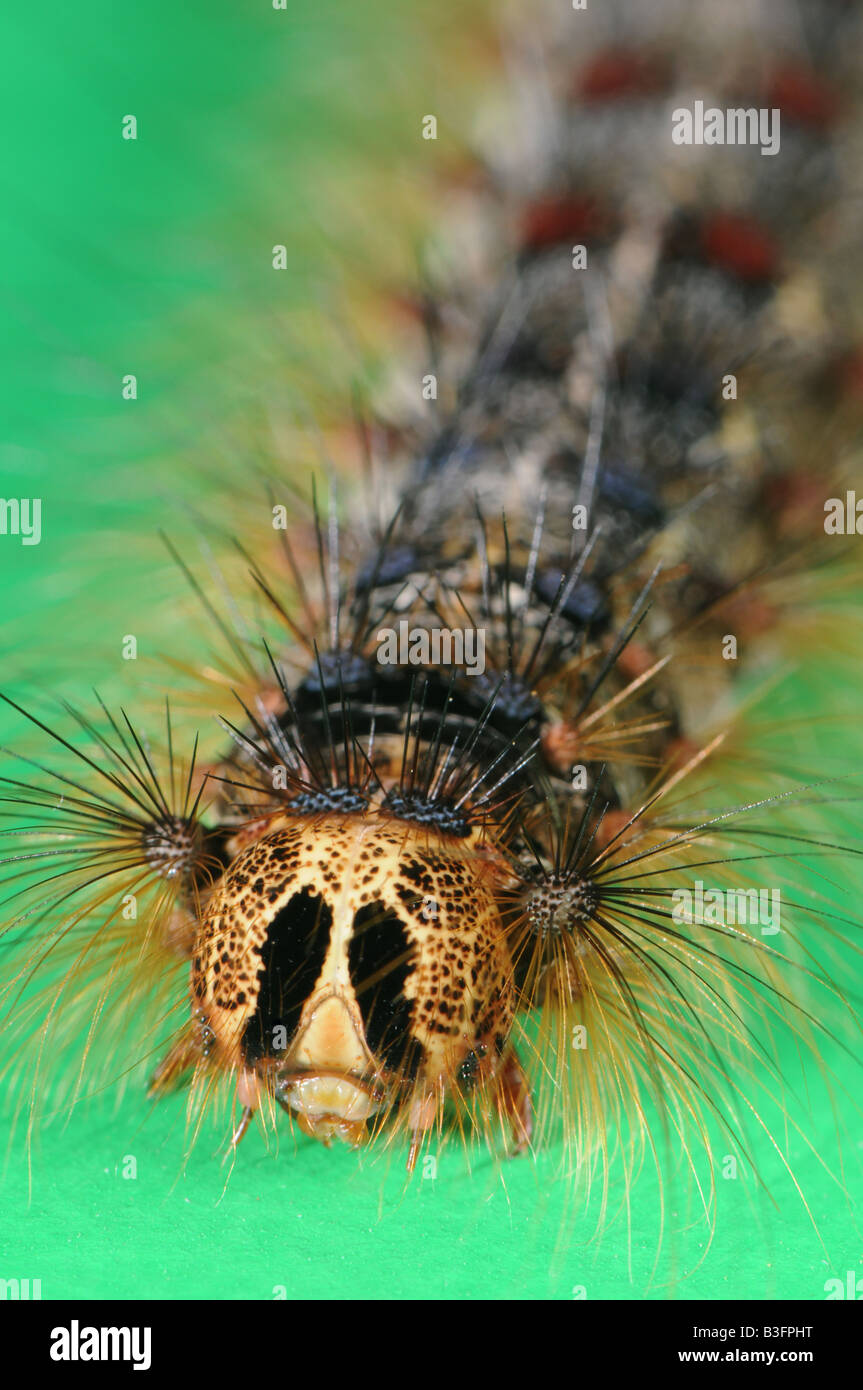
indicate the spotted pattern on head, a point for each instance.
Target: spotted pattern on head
{"x":459,"y":978}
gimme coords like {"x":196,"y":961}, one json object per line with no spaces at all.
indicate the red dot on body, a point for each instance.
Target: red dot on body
{"x":802,"y":97}
{"x":741,"y":245}
{"x":617,"y":73}
{"x":552,"y":220}
{"x":851,"y":375}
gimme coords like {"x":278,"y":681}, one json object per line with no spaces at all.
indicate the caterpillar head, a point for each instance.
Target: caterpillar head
{"x":353,"y":963}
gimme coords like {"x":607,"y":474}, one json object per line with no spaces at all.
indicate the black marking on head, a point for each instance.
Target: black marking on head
{"x":292,"y":958}
{"x":380,"y":961}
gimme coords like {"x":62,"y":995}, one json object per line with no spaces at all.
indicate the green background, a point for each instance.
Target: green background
{"x":153,"y":257}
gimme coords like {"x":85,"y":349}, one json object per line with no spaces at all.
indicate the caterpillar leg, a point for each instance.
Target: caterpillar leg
{"x":515,"y":1101}
{"x":249,"y":1097}
{"x":423,"y":1115}
{"x":245,"y":1121}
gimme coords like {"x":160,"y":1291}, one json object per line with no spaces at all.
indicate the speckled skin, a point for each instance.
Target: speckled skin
{"x":460,"y":977}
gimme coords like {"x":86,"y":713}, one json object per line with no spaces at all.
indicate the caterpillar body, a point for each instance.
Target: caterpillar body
{"x":444,"y":873}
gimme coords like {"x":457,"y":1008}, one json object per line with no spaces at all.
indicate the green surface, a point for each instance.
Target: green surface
{"x":153,"y":257}
{"x":321,"y":1224}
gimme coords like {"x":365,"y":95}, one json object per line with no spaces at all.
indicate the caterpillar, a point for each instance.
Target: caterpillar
{"x":489,"y":841}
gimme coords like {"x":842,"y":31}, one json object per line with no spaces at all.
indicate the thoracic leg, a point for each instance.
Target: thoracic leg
{"x":515,"y":1101}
